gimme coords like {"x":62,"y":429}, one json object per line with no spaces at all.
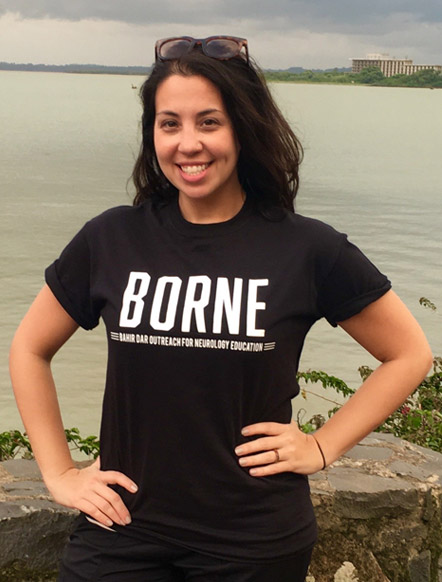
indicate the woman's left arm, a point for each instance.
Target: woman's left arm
{"x":387,"y":330}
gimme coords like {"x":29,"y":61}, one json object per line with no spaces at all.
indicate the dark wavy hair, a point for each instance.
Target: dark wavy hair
{"x":270,"y":153}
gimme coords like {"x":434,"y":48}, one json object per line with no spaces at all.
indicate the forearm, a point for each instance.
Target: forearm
{"x":44,"y":329}
{"x":36,"y":397}
{"x":380,"y":395}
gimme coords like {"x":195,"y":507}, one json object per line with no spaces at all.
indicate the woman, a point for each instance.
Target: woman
{"x":208,"y":286}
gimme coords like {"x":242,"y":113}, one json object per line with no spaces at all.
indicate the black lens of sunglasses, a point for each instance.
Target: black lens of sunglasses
{"x":214,"y":47}
{"x":173,"y":49}
{"x":222,"y":48}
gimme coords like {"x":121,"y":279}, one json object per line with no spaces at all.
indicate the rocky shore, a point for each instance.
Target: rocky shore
{"x":379,"y":512}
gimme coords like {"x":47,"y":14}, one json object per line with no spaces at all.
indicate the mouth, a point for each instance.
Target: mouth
{"x":193,"y":169}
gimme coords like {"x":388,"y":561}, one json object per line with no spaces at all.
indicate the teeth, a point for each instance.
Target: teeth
{"x":193,"y":170}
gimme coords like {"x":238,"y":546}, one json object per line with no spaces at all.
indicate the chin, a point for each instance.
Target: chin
{"x":201,"y":195}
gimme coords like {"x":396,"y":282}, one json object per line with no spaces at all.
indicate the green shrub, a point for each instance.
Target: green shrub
{"x":14,"y":443}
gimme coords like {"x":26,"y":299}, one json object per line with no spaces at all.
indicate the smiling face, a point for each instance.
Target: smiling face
{"x":196,"y":146}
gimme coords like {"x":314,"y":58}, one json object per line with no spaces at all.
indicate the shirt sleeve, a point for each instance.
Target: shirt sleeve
{"x":352,"y":283}
{"x":69,"y":278}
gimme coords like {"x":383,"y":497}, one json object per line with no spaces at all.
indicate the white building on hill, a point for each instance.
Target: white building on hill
{"x":390,"y":65}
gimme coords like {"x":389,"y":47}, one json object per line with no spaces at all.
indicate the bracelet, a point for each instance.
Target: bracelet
{"x":322,"y":453}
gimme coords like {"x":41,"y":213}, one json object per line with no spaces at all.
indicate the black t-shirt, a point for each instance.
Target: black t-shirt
{"x":205,"y":327}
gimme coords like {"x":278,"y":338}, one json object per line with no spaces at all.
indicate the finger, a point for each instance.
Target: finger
{"x":259,"y":445}
{"x":117,"y":478}
{"x":93,"y":511}
{"x":267,"y":458}
{"x":269,"y":428}
{"x":112,"y":505}
{"x":273,"y":469}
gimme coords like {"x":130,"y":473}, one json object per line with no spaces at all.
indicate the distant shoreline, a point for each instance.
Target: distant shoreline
{"x":128,"y":70}
{"x":76,"y":69}
{"x":343,"y":76}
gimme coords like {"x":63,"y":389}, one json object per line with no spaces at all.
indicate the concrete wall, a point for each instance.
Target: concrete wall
{"x":378,"y":511}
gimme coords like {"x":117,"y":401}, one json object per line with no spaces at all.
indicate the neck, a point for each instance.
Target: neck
{"x":209,"y":211}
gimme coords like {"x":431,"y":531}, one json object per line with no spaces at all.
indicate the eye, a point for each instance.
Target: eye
{"x":168,"y":124}
{"x":210,"y":123}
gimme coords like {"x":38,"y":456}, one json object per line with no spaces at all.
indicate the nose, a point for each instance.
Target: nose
{"x":190,"y":142}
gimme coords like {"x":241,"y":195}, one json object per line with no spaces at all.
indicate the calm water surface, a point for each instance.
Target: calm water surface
{"x":372,"y":169}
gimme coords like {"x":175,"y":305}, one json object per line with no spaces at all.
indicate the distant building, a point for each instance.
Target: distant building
{"x":389,"y":65}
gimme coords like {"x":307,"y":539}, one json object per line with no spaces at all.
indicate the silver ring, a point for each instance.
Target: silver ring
{"x":277,"y":456}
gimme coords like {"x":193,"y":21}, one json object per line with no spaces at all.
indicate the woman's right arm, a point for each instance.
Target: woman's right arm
{"x":44,"y":329}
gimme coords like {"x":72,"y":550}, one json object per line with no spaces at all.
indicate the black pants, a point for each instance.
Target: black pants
{"x":94,"y":554}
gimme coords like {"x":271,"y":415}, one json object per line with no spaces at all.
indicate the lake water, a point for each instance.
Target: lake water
{"x":372,"y":169}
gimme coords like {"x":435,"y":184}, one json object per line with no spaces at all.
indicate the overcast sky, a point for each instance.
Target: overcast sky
{"x":281,"y":33}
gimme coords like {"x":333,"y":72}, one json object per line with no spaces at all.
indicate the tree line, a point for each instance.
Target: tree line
{"x":369,"y":76}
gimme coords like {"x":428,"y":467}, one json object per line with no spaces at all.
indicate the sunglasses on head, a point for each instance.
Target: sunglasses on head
{"x":216,"y":47}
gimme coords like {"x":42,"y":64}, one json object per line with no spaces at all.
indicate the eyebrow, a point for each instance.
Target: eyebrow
{"x":199,"y":114}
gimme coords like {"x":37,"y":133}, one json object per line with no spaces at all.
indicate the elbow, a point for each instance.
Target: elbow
{"x":415,"y":362}
{"x":17,"y":349}
{"x":24,"y":356}
{"x":428,"y":360}
{"x":14,"y":352}
{"x":423,"y":359}
{"x":15,"y":358}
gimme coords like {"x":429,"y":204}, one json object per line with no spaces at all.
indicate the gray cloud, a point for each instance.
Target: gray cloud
{"x":335,"y":16}
{"x":282,"y":33}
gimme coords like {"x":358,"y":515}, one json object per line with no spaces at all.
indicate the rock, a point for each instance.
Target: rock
{"x":420,"y":567}
{"x":379,"y":513}
{"x":22,"y":469}
{"x":25,"y":488}
{"x":379,"y":508}
{"x":346,"y":573}
{"x":367,"y":496}
{"x":33,"y":535}
{"x":369,"y":452}
{"x":33,"y":529}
